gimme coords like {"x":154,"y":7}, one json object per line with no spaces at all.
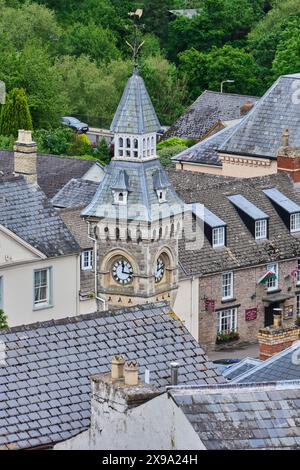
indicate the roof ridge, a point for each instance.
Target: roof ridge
{"x":83,"y":317}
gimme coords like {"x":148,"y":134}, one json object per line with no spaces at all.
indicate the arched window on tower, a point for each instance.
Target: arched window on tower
{"x":144,"y":147}
{"x":135,"y":148}
{"x":121,"y":147}
{"x":152,"y":146}
{"x":148,"y":146}
{"x":128,"y":147}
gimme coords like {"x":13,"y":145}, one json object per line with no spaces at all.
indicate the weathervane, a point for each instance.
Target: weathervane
{"x":136,"y":47}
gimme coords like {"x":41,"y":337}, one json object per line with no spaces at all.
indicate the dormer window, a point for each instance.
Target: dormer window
{"x":295,"y":222}
{"x":288,"y":210}
{"x":254,"y":218}
{"x":120,"y":198}
{"x":214,"y":228}
{"x":261,"y":228}
{"x":120,"y":189}
{"x":161,"y":194}
{"x":218,"y":237}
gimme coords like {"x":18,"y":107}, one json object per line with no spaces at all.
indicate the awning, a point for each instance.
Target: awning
{"x":278,"y":297}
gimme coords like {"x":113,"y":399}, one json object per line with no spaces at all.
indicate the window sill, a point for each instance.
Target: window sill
{"x":86,"y":269}
{"x":37,"y":308}
{"x":228,"y":301}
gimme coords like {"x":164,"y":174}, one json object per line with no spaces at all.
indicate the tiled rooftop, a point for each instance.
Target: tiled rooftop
{"x":260,"y":132}
{"x":241,"y":417}
{"x":76,"y":193}
{"x":25,"y":211}
{"x":206,"y":111}
{"x":282,"y":366}
{"x":45,"y":386}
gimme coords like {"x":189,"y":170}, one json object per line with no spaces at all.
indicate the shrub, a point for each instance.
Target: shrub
{"x":3,"y":320}
{"x":167,"y":153}
{"x":15,"y":113}
{"x":174,"y":142}
{"x":227,"y":337}
{"x":56,"y":141}
{"x":7,"y":142}
{"x":103,"y":152}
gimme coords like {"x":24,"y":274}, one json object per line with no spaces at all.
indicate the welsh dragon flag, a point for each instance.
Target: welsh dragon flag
{"x":266,"y":277}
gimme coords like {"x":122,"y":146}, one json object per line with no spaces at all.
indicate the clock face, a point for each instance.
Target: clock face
{"x":159,"y":270}
{"x":122,"y":271}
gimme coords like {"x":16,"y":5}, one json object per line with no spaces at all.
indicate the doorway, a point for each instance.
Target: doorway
{"x":269,"y":312}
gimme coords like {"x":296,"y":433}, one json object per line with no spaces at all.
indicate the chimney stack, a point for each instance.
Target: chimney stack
{"x":274,"y":339}
{"x":25,"y":156}
{"x":288,"y":158}
{"x":120,"y":390}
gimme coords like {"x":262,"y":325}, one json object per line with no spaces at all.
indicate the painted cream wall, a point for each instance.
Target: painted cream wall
{"x":211,"y":170}
{"x":12,"y":250}
{"x":18,"y":290}
{"x":157,"y":425}
{"x":186,"y":305}
{"x":247,"y":167}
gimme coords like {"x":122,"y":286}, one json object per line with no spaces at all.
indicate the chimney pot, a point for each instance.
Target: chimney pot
{"x":286,"y":138}
{"x":117,"y":367}
{"x":131,"y":373}
{"x":174,"y":373}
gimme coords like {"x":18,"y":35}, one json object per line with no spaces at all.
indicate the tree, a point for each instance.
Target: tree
{"x":162,"y":81}
{"x":156,"y":18}
{"x":3,"y":320}
{"x":287,"y":57}
{"x":207,"y":71}
{"x":218,"y":22}
{"x":15,"y":114}
{"x":91,"y":40}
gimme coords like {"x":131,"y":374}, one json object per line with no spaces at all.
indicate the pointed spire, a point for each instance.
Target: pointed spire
{"x":135,"y":113}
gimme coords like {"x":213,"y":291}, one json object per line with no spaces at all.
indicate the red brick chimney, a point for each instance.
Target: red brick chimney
{"x":288,"y":158}
{"x":274,"y":339}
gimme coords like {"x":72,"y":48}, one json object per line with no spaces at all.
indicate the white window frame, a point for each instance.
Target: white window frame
{"x":227,"y":282}
{"x":87,"y":258}
{"x":46,"y":300}
{"x":261,"y":229}
{"x":295,"y":222}
{"x":218,"y":237}
{"x":229,"y":315}
{"x":273,"y":284}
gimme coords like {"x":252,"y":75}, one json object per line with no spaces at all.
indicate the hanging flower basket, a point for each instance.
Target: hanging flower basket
{"x":224,"y":338}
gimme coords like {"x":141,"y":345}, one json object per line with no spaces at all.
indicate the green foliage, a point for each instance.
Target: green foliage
{"x":227,"y":337}
{"x":165,"y":154}
{"x":15,"y":114}
{"x":103,"y":152}
{"x":287,"y":58}
{"x":3,"y":320}
{"x":55,"y":141}
{"x":173,"y":142}
{"x":207,"y":71}
{"x":7,"y":142}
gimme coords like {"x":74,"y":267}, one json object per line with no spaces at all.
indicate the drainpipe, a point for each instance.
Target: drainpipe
{"x":94,"y":240}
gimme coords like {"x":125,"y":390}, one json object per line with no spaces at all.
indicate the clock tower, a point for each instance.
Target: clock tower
{"x":135,"y":217}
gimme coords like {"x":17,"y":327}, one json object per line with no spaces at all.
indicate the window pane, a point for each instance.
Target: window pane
{"x":227,"y":320}
{"x":260,"y":229}
{"x":227,"y":285}
{"x":218,"y":236}
{"x":41,"y":288}
{"x":295,"y":222}
{"x":273,"y":282}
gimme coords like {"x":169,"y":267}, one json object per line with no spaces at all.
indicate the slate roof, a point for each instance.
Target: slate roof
{"x":135,"y":113}
{"x":53,"y":171}
{"x":206,"y":111}
{"x":282,"y":366}
{"x":242,"y":249}
{"x":25,"y":211}
{"x":241,"y":417}
{"x":206,"y":151}
{"x":240,"y":368}
{"x":76,"y":193}
{"x":143,"y":204}
{"x":45,"y":387}
{"x":260,"y":132}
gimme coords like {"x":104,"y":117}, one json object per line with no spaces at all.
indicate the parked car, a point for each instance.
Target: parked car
{"x":75,"y":124}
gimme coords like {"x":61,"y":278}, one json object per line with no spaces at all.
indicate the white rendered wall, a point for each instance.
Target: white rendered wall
{"x":186,"y":305}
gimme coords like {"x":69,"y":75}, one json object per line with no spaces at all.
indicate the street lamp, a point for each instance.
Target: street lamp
{"x":226,"y":81}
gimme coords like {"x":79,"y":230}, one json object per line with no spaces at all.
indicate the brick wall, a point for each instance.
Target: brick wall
{"x":247,"y":295}
{"x":274,"y":340}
